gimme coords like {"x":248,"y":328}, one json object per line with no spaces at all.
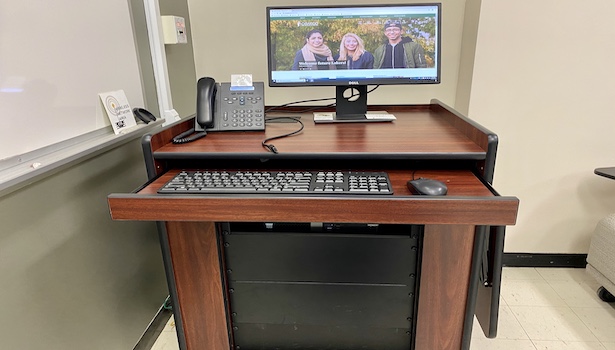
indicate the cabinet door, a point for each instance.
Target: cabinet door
{"x":488,"y":291}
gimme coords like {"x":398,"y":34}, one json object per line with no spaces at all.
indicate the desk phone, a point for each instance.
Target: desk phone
{"x":222,"y":107}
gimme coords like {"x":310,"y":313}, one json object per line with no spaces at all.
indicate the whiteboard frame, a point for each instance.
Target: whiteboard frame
{"x":159,"y":61}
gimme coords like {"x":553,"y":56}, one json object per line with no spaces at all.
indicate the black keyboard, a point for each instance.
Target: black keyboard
{"x":279,"y":182}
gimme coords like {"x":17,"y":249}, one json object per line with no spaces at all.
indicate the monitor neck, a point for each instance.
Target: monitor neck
{"x":350,"y":101}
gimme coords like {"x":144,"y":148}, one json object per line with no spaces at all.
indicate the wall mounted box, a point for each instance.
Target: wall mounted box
{"x":174,"y":30}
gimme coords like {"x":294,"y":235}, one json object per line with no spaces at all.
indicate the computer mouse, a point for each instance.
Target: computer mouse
{"x":427,"y":187}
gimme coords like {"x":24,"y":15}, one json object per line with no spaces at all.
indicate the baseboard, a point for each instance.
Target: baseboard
{"x":544,"y":260}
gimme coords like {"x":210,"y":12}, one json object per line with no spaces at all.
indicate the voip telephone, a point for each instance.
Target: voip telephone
{"x":222,"y":107}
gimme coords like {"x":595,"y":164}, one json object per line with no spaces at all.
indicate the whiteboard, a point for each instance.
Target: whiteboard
{"x":55,"y":57}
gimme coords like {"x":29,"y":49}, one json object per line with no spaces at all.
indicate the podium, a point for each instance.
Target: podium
{"x":397,"y":271}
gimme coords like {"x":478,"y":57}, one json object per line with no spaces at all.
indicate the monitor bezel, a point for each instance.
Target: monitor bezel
{"x":368,"y":81}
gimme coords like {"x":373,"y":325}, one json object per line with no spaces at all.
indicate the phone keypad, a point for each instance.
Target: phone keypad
{"x":246,"y":118}
{"x":243,"y":110}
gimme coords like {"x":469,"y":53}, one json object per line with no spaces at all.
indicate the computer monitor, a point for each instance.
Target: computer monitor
{"x":351,"y":47}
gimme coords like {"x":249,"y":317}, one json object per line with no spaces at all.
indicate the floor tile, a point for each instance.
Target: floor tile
{"x":530,"y":293}
{"x":520,"y":273}
{"x":601,"y":321}
{"x":576,"y":294}
{"x":501,"y":344}
{"x":594,"y":285}
{"x":170,"y":326}
{"x":562,"y":345}
{"x":166,"y":341}
{"x":552,"y":323}
{"x":564,"y":274}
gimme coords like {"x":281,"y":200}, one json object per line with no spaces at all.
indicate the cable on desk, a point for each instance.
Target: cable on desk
{"x":270,"y":147}
{"x":189,"y":136}
{"x":271,"y":109}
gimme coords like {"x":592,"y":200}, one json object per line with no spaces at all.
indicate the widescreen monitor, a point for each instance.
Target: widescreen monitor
{"x":353,"y":46}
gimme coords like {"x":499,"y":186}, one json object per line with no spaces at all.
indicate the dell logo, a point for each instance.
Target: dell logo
{"x":353,"y":83}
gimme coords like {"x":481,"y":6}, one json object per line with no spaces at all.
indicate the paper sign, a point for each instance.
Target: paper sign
{"x":241,"y":82}
{"x":241,"y":79}
{"x":118,"y":110}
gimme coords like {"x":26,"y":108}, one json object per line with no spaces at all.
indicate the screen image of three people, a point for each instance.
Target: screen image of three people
{"x":397,"y":52}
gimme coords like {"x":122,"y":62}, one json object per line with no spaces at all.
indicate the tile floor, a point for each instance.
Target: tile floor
{"x":541,"y":309}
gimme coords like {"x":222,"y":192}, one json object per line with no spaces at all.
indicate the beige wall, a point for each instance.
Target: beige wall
{"x":544,"y":82}
{"x":466,"y":57}
{"x":230,"y":39}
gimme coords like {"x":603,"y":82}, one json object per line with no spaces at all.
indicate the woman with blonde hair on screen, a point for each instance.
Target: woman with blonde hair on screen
{"x":352,"y":51}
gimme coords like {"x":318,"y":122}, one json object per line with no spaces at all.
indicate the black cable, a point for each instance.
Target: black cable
{"x":375,"y":87}
{"x":314,"y":100}
{"x":314,"y":108}
{"x":296,"y":102}
{"x":272,"y":148}
{"x":189,"y":136}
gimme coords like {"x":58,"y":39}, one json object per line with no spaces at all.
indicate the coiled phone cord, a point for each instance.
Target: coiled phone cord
{"x":189,"y":136}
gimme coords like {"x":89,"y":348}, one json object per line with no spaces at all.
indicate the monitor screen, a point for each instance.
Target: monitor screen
{"x":354,"y":45}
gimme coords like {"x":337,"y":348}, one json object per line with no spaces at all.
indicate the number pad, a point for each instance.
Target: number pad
{"x":242,"y":110}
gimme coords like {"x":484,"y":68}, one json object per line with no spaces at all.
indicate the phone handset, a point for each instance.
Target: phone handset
{"x":206,"y":89}
{"x":205,"y":105}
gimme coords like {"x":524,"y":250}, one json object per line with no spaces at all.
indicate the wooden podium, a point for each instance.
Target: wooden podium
{"x":430,"y":141}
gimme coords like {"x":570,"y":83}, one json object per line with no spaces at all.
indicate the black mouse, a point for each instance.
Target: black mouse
{"x":428,"y":187}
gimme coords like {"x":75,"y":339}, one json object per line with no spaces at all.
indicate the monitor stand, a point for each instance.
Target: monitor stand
{"x":351,"y":107}
{"x":350,"y":103}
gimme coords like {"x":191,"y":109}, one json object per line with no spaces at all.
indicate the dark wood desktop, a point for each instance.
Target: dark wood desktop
{"x":430,"y":141}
